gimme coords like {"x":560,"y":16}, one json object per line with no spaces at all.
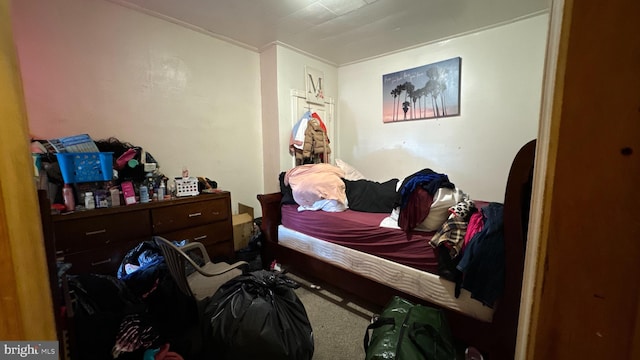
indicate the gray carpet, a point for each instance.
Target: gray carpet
{"x":338,"y":324}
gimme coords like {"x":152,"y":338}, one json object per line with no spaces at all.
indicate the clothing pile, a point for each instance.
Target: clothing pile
{"x":309,"y":142}
{"x":469,"y":241}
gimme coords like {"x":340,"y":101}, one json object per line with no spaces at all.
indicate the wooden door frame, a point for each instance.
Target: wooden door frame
{"x":581,"y":291}
{"x":25,"y":303}
{"x":544,"y":156}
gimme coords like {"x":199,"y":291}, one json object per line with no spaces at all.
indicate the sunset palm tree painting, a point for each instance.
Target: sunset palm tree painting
{"x":426,"y":92}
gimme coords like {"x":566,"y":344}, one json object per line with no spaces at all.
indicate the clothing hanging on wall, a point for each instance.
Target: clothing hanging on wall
{"x":309,"y":142}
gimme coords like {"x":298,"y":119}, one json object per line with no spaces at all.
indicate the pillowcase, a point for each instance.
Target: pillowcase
{"x":439,"y":212}
{"x":350,"y":173}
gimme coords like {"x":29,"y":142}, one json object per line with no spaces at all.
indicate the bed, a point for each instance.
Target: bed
{"x":321,"y":245}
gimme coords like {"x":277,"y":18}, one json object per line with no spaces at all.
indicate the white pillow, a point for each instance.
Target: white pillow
{"x":328,"y":205}
{"x":350,"y":173}
{"x":439,"y":212}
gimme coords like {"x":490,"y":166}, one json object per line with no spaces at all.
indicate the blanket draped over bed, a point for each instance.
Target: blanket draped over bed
{"x":314,"y":182}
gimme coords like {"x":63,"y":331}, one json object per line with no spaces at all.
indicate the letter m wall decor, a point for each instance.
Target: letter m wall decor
{"x":314,"y":81}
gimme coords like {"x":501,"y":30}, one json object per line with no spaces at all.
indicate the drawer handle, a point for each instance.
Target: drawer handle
{"x":216,"y":213}
{"x":96,"y":232}
{"x":101,"y":262}
{"x":195,"y":214}
{"x":198,"y":238}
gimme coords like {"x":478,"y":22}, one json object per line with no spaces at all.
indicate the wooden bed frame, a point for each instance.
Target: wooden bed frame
{"x":497,"y":339}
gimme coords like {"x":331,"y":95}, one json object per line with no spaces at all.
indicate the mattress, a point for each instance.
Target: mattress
{"x":357,"y":243}
{"x":362,"y":231}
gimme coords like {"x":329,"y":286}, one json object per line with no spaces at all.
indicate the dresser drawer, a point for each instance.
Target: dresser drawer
{"x":206,"y":234}
{"x":168,"y":219}
{"x":104,"y":260}
{"x":94,"y":232}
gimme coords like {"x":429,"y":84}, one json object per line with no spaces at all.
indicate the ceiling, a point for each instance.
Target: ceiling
{"x":339,"y":31}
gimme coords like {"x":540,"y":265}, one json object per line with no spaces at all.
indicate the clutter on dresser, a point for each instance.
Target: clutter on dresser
{"x":81,"y":174}
{"x":206,"y":185}
{"x":186,"y":186}
{"x":85,"y":167}
{"x":69,"y":198}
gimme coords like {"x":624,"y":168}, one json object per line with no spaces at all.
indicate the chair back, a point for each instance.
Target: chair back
{"x":175,"y":260}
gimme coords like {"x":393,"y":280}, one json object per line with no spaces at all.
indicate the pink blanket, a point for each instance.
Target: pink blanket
{"x":313,"y":182}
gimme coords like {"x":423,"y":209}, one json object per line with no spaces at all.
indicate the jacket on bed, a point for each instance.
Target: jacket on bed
{"x":482,"y":263}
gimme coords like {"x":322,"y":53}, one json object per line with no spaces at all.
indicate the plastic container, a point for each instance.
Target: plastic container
{"x":85,"y":167}
{"x":89,"y":201}
{"x":102,"y":198}
{"x":115,"y":197}
{"x":69,"y":199}
{"x":161,"y":191}
{"x":144,"y":194}
{"x":186,"y":187}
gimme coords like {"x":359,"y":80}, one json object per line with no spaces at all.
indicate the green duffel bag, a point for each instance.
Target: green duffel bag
{"x":405,"y":331}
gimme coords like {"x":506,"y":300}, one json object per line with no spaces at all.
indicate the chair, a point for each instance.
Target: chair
{"x":205,"y":280}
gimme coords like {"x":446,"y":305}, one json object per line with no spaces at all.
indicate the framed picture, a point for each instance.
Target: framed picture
{"x":314,"y":82}
{"x":425,"y":92}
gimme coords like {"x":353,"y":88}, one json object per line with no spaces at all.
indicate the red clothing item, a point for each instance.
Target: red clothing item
{"x":416,"y":210}
{"x":476,"y":223}
{"x":322,"y":125}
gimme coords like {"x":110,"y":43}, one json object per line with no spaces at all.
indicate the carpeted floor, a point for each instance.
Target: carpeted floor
{"x":338,"y":324}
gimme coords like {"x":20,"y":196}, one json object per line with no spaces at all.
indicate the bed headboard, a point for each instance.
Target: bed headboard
{"x":517,"y":201}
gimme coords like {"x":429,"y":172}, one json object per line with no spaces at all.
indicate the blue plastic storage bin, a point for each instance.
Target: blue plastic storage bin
{"x":86,"y":167}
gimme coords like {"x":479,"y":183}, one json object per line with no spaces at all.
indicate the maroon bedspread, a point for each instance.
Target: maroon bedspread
{"x":361,"y":231}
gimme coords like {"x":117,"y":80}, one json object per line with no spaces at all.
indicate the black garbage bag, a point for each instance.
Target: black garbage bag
{"x":259,"y":316}
{"x":100,"y":303}
{"x":174,"y":315}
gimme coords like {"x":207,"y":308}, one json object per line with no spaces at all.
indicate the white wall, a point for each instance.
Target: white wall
{"x":291,"y":76}
{"x":501,"y":84}
{"x":270,"y":119}
{"x":91,"y":66}
{"x":191,"y":99}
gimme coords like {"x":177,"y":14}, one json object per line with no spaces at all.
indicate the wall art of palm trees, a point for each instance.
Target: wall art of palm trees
{"x":425,"y":92}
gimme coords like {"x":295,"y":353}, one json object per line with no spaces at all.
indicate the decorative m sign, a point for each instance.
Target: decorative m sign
{"x":314,"y":81}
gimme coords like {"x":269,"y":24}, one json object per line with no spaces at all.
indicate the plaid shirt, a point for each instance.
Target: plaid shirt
{"x":452,"y":232}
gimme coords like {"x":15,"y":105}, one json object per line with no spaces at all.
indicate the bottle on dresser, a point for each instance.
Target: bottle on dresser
{"x":69,"y":199}
{"x":115,"y":196}
{"x":161,"y":190}
{"x":89,"y":201}
{"x":144,"y":194}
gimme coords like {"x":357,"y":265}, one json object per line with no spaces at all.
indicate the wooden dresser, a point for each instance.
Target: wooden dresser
{"x":96,"y":241}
